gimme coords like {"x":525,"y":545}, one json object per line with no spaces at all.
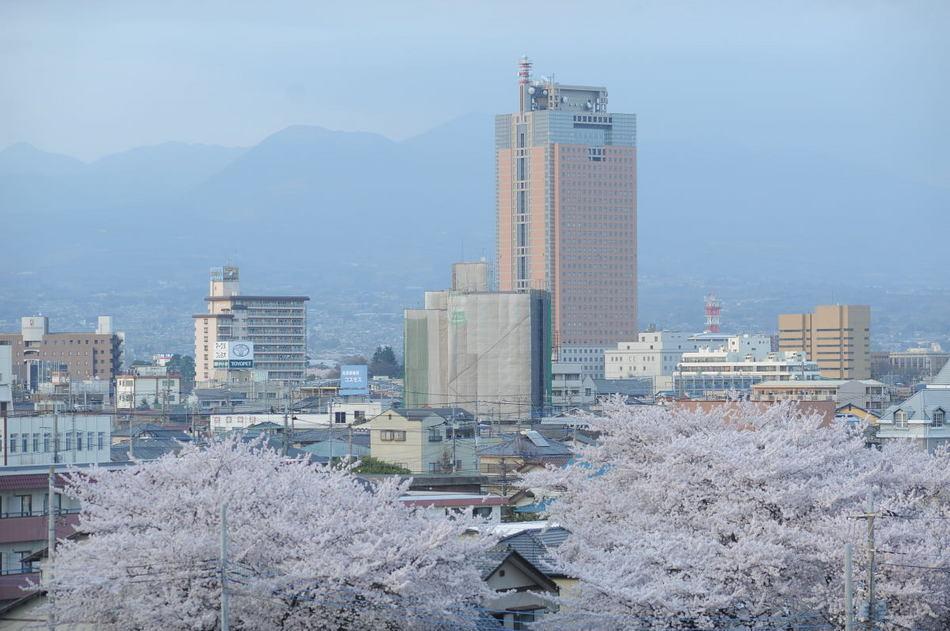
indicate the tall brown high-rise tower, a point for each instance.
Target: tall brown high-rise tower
{"x":567,"y":212}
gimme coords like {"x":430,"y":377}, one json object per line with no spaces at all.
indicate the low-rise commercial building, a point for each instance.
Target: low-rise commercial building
{"x":917,"y":364}
{"x":47,"y":438}
{"x":135,"y":391}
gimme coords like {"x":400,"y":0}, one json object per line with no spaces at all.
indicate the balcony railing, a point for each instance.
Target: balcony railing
{"x":38,"y":513}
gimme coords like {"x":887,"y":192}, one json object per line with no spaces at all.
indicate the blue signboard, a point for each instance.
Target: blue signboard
{"x":354,"y":380}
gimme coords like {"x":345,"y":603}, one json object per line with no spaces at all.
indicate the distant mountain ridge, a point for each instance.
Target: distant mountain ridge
{"x":335,"y":208}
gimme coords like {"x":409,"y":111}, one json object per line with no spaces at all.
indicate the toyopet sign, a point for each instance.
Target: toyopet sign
{"x":354,"y":380}
{"x":234,"y":354}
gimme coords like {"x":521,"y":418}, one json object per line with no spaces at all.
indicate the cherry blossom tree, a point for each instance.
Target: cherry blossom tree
{"x":310,"y":547}
{"x":696,"y":519}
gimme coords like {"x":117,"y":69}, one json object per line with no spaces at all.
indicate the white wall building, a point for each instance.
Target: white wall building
{"x":6,"y":374}
{"x":221,"y":423}
{"x":71,"y":438}
{"x":653,"y":354}
{"x":133,"y":390}
{"x":348,"y":413}
{"x":745,"y":361}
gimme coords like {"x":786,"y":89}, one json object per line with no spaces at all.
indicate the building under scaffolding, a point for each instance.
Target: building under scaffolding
{"x":485,"y":352}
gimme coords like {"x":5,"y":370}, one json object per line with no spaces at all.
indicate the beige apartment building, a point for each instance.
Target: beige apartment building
{"x":866,"y":394}
{"x":566,"y":182}
{"x":273,"y":327}
{"x":838,"y":337}
{"x":37,"y":354}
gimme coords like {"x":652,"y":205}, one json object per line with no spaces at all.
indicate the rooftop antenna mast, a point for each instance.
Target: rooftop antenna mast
{"x":524,"y":77}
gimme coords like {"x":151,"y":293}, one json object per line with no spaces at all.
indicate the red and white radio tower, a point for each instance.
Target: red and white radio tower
{"x":713,"y":309}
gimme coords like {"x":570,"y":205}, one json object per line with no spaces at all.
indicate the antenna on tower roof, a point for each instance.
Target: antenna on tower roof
{"x":713,"y":309}
{"x":524,"y":78}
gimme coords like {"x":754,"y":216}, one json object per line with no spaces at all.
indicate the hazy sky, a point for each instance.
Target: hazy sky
{"x":865,"y":81}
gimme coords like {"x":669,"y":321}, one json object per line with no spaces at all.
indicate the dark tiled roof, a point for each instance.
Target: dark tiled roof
{"x":535,"y":545}
{"x":521,"y":446}
{"x":145,"y":449}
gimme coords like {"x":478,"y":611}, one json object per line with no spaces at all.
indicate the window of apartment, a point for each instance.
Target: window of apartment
{"x":25,"y":503}
{"x":392,"y":435}
{"x":25,"y":442}
{"x":340,"y":417}
{"x":13,"y":443}
{"x":435,"y":436}
{"x":25,"y":566}
{"x":89,"y":436}
{"x":36,"y":443}
{"x":102,"y":440}
{"x":78,"y":441}
{"x":69,"y":441}
{"x":46,"y":442}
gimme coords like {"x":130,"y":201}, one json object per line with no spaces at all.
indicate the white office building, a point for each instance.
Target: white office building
{"x":65,"y":438}
{"x":134,"y":391}
{"x":745,"y":361}
{"x":653,"y":354}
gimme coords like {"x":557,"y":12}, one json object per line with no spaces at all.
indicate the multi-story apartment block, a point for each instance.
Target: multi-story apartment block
{"x":567,"y":213}
{"x":735,"y":368}
{"x":37,"y":354}
{"x":570,"y":388}
{"x":274,"y":327}
{"x":866,"y":394}
{"x":838,"y":337}
{"x":30,"y":446}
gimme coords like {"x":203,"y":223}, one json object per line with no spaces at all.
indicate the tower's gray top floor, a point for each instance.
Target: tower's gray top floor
{"x":542,"y":127}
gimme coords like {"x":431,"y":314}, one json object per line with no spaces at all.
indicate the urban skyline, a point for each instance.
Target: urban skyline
{"x":625,"y":358}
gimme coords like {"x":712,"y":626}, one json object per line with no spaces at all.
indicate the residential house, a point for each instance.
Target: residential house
{"x":922,"y":417}
{"x":424,"y":440}
{"x":513,"y":455}
{"x":526,"y":591}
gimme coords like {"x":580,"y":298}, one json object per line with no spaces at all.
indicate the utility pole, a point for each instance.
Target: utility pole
{"x":349,"y":443}
{"x":869,"y":515}
{"x":454,"y":460}
{"x":223,"y":567}
{"x":848,"y":589}
{"x":51,"y":524}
